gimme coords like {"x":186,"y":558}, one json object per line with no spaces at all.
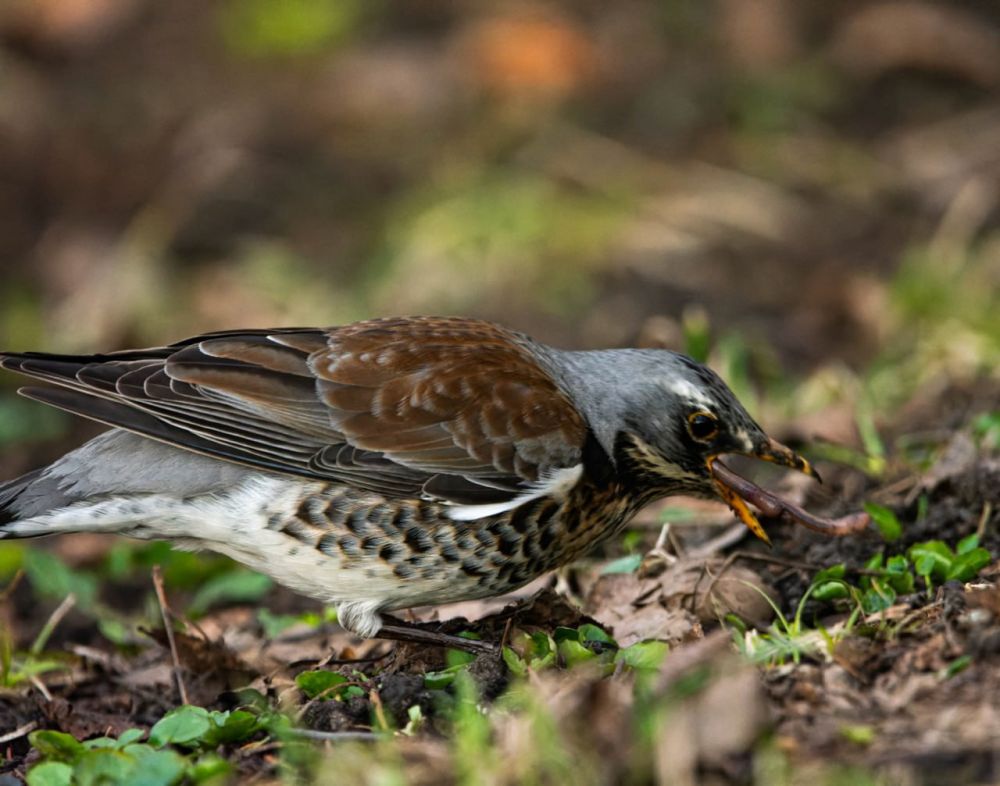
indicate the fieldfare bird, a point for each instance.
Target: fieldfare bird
{"x":389,"y":463}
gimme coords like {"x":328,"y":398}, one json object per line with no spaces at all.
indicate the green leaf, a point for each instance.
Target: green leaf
{"x":155,"y":768}
{"x":101,"y":742}
{"x":902,"y":584}
{"x":209,"y":767}
{"x":514,"y":662}
{"x":229,"y":727}
{"x":56,"y":745}
{"x":458,"y":658}
{"x":252,"y":698}
{"x":643,"y":654}
{"x":539,"y":650}
{"x":129,"y":736}
{"x":104,"y":767}
{"x":967,"y":544}
{"x":24,"y":667}
{"x":899,"y":575}
{"x":957,"y":666}
{"x":540,"y":645}
{"x":931,"y":558}
{"x":886,"y":521}
{"x":563,"y":633}
{"x":830,"y":590}
{"x":878,"y":598}
{"x":589,"y":632}
{"x":967,"y":566}
{"x":439,"y":680}
{"x":235,"y":586}
{"x":628,"y":564}
{"x":50,"y":773}
{"x":313,"y":683}
{"x":574,"y":653}
{"x":837,"y":571}
{"x":182,"y":725}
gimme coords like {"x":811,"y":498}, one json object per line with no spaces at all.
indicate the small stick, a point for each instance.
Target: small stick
{"x":9,"y":589}
{"x":731,"y":536}
{"x":50,"y":624}
{"x":505,"y":638}
{"x":161,"y":598}
{"x":40,"y":687}
{"x":20,"y":731}
{"x":378,"y":709}
{"x":334,"y":736}
{"x":983,"y":519}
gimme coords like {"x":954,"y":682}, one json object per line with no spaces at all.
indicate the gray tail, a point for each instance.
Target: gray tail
{"x":9,"y":493}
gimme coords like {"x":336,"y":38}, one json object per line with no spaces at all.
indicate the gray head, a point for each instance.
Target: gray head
{"x":665,"y":416}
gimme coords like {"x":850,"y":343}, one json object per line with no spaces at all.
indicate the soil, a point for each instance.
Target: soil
{"x":889,"y":696}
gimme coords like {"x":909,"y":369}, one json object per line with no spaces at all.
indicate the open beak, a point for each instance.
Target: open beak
{"x":737,"y":491}
{"x":777,"y":453}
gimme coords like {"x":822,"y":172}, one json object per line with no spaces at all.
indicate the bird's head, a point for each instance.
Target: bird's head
{"x":667,"y":420}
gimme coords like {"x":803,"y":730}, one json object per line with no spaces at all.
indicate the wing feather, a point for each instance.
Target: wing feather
{"x":453,"y":409}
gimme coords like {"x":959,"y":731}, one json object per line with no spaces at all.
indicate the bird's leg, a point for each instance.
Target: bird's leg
{"x":397,"y":630}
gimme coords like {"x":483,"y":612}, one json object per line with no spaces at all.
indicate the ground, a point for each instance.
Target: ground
{"x":894,"y":685}
{"x":800,"y":193}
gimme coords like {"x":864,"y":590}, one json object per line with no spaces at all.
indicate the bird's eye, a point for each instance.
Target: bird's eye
{"x":703,"y":426}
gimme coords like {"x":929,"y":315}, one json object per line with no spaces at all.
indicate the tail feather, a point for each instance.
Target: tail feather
{"x":9,"y":492}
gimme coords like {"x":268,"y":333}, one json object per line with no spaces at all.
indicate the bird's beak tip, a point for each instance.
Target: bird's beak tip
{"x":776,"y":453}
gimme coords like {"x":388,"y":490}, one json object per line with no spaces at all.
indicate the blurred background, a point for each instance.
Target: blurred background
{"x":804,"y":193}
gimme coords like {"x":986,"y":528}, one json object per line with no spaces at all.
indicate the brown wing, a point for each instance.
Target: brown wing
{"x":455,"y":409}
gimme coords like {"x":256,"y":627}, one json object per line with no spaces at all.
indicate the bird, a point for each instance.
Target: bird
{"x":384,"y":464}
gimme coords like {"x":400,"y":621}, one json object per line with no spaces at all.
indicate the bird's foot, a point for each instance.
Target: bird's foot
{"x":397,"y":630}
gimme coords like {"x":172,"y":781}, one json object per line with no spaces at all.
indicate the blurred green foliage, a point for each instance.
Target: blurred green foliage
{"x":487,"y":231}
{"x":268,"y":28}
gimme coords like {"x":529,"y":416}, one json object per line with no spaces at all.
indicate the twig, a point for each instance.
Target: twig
{"x":161,"y":597}
{"x":677,"y":544}
{"x":798,"y":564}
{"x":334,"y":736}
{"x":731,"y":536}
{"x":107,"y":662}
{"x":9,"y":589}
{"x":378,"y":709}
{"x":40,"y":687}
{"x":50,"y":624}
{"x":505,"y":638}
{"x":984,"y":518}
{"x":20,"y":731}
